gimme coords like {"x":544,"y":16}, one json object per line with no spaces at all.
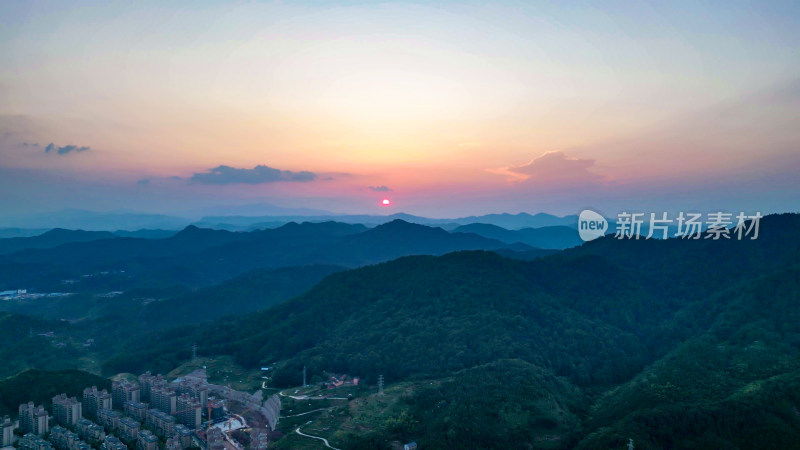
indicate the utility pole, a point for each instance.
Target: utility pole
{"x":194,"y":352}
{"x":304,"y":377}
{"x":630,"y":444}
{"x":380,"y":384}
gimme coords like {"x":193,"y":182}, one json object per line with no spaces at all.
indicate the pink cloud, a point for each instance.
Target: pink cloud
{"x":554,"y":166}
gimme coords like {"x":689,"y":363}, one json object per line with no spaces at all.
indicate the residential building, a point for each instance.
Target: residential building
{"x":59,"y":437}
{"x":160,"y":422}
{"x":33,"y":442}
{"x":184,"y":435}
{"x":123,"y":392}
{"x":64,"y":439}
{"x":194,"y":387}
{"x":94,"y":400}
{"x":66,"y":411}
{"x":137,"y":410}
{"x":33,"y":419}
{"x":164,"y":398}
{"x":173,"y":444}
{"x":108,"y":418}
{"x":8,"y":431}
{"x":146,"y":382}
{"x":128,"y":429}
{"x":90,"y":431}
{"x":112,"y":443}
{"x":146,"y":441}
{"x":189,"y":412}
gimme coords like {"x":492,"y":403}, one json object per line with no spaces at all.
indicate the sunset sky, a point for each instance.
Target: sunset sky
{"x":448,"y":109}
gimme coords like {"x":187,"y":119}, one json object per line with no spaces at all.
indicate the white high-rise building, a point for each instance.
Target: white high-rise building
{"x":8,"y":431}
{"x":94,"y":400}
{"x":33,"y":419}
{"x":66,"y":410}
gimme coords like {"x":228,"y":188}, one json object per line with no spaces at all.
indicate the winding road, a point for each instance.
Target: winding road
{"x":304,"y":413}
{"x":324,"y":441}
{"x":306,"y":397}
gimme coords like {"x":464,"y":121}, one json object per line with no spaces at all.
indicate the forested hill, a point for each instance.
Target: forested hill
{"x":27,"y":342}
{"x":40,"y":386}
{"x":642,"y":329}
{"x":255,"y":290}
{"x":52,"y":238}
{"x":554,"y":237}
{"x":201,"y":257}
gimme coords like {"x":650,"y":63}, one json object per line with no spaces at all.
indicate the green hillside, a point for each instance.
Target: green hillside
{"x":40,"y":386}
{"x":628,"y":332}
{"x":253,"y":291}
{"x":29,"y":342}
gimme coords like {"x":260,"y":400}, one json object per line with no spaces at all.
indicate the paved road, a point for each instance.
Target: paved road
{"x":307,"y":412}
{"x":324,"y":441}
{"x":305,"y":397}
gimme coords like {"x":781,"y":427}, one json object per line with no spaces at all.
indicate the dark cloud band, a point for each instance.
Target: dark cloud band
{"x":65,"y":149}
{"x":257,"y":175}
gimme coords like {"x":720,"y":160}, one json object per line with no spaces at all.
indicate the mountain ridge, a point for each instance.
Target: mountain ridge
{"x":606,"y":318}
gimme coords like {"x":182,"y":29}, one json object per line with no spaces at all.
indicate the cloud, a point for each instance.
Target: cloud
{"x":257,"y":175}
{"x":379,"y":189}
{"x":162,"y":181}
{"x":65,"y":149}
{"x":551,"y":166}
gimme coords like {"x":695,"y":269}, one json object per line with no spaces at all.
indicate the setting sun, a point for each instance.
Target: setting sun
{"x":385,"y":202}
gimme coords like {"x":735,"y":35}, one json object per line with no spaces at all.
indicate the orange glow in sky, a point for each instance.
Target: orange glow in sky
{"x":458,"y":108}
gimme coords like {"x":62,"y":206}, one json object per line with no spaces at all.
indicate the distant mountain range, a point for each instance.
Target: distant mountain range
{"x":79,"y":219}
{"x":547,"y":237}
{"x":509,"y":221}
{"x":198,"y":256}
{"x":59,"y":236}
{"x":550,"y":237}
{"x":146,"y":233}
{"x":51,"y":238}
{"x":247,"y":219}
{"x":6,"y":233}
